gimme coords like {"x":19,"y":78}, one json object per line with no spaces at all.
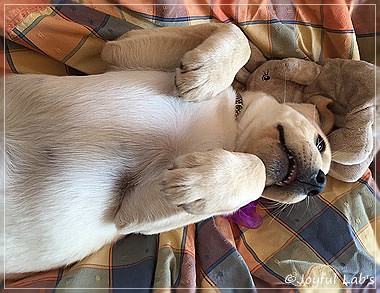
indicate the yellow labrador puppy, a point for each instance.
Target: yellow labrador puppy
{"x":91,"y":158}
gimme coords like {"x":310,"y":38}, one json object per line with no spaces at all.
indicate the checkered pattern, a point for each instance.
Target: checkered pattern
{"x":67,"y":39}
{"x":331,"y":235}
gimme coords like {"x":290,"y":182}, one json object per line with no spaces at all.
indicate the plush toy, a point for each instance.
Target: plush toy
{"x":345,"y":87}
{"x":246,"y":216}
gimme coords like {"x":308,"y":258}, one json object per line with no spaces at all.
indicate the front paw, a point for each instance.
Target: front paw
{"x":212,"y":183}
{"x":200,"y":77}
{"x":211,"y":67}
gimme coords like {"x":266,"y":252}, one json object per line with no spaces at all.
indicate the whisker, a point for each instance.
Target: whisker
{"x":273,"y":205}
{"x":276,"y":213}
{"x":319,"y":143}
{"x":271,"y":221}
{"x":307,"y":206}
{"x":290,"y":210}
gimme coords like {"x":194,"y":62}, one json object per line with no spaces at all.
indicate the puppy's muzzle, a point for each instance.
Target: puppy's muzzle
{"x":316,"y":184}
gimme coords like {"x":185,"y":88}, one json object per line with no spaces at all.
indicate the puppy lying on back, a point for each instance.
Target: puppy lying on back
{"x":91,"y":158}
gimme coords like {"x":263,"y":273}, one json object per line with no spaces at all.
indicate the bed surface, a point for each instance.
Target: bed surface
{"x":328,"y":241}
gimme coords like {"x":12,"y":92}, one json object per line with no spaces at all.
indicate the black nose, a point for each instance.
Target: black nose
{"x":317,"y":183}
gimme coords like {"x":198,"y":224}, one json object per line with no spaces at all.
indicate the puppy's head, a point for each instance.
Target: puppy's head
{"x":288,"y":139}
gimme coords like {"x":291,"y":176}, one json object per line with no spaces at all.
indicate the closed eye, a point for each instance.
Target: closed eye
{"x":320,"y":143}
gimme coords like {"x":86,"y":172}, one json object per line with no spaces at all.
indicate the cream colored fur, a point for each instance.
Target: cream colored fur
{"x":89,"y":159}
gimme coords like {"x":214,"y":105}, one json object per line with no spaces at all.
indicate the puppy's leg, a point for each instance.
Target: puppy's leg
{"x":155,"y":49}
{"x":214,"y":182}
{"x":198,"y":186}
{"x":207,"y":57}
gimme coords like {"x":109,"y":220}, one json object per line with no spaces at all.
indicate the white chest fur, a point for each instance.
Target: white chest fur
{"x":68,"y":148}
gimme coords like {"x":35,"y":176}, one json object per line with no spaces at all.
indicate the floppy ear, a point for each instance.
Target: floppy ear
{"x":299,"y":71}
{"x":307,"y":110}
{"x":326,"y":115}
{"x":317,"y":111}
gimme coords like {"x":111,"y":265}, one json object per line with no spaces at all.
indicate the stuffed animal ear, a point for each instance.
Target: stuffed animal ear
{"x":255,"y":60}
{"x":298,"y":70}
{"x":317,"y":110}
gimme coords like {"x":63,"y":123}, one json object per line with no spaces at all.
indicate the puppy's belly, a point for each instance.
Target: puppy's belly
{"x":67,"y":155}
{"x":56,"y":221}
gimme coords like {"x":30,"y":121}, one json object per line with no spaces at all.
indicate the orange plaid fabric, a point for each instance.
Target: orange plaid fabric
{"x":327,"y":242}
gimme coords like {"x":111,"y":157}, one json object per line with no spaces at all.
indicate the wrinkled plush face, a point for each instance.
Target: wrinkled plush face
{"x":294,"y":149}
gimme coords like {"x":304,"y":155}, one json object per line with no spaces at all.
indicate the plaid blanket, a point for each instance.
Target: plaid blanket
{"x":66,"y":39}
{"x":328,"y":241}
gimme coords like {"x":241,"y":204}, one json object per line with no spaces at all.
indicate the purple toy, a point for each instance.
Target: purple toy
{"x":246,"y":216}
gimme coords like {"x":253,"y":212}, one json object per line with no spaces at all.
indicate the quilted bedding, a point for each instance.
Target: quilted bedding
{"x":326,"y":242}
